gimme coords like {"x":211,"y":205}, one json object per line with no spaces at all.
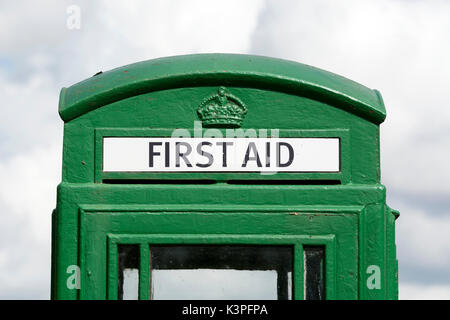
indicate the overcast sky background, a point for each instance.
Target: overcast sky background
{"x":400,"y":47}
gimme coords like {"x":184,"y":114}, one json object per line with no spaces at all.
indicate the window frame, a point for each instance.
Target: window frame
{"x":296,"y":241}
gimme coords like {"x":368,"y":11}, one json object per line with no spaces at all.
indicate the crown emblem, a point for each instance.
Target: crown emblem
{"x":222,"y":109}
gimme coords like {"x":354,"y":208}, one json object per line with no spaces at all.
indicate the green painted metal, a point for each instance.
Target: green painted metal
{"x":152,"y":98}
{"x":216,"y":69}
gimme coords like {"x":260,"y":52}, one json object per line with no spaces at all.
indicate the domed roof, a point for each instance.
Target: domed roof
{"x":221,"y":69}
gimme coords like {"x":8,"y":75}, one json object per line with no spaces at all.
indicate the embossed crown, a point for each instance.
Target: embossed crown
{"x":222,"y":109}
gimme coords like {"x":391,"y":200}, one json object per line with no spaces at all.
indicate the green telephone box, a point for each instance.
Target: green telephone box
{"x":220,"y":176}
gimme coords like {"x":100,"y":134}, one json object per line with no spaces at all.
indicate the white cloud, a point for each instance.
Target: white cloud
{"x":423,"y":241}
{"x":113,"y":35}
{"x":27,"y":198}
{"x":29,"y":113}
{"x":177,"y":27}
{"x":398,"y":47}
{"x":26,"y":26}
{"x":423,"y":292}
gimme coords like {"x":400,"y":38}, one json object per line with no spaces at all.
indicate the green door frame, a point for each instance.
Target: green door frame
{"x":102,"y":229}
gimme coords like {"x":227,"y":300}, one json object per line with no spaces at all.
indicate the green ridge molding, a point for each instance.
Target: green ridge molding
{"x":220,"y":69}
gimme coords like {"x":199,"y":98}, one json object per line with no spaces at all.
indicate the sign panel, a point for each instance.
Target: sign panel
{"x":160,"y":154}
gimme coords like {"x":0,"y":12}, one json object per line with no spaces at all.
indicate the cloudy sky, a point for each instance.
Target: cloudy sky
{"x":400,"y":47}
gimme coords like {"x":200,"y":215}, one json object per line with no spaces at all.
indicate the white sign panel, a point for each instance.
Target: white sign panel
{"x":144,"y":154}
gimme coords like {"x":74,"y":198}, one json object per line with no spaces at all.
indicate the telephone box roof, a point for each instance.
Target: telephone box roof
{"x":221,"y":69}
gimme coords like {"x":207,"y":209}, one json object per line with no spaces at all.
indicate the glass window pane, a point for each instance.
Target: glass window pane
{"x":214,"y":284}
{"x":221,"y":272}
{"x":128,"y":276}
{"x":314,"y":272}
{"x":130,"y":284}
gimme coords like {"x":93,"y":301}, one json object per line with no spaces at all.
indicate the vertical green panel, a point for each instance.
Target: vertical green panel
{"x":331,"y":271}
{"x":112,"y":270}
{"x":53,"y":257}
{"x":391,"y":269}
{"x":144,"y":272}
{"x":298,"y":272}
{"x":375,"y":268}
